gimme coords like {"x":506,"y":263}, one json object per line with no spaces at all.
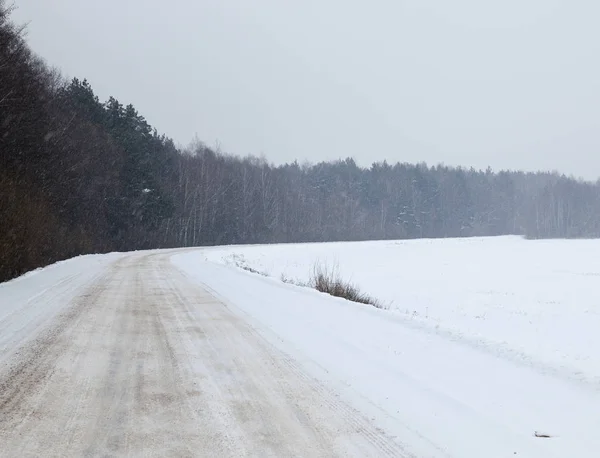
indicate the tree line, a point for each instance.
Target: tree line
{"x":78,"y":175}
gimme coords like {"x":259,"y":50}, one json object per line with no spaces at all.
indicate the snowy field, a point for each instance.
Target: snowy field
{"x":535,"y":301}
{"x":489,"y":346}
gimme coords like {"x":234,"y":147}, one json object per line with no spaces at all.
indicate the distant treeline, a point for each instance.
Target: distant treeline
{"x":82,"y":176}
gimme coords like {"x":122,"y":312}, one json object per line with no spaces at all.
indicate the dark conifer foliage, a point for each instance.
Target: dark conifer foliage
{"x":81,"y":176}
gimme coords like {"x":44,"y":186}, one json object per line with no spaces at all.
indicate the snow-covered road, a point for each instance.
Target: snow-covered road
{"x":166,"y":354}
{"x":123,"y":356}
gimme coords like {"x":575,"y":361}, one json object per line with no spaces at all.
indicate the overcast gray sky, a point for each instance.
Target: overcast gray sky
{"x":506,"y":83}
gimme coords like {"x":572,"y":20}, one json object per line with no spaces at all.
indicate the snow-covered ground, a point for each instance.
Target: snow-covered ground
{"x":487,"y":341}
{"x":532,"y":301}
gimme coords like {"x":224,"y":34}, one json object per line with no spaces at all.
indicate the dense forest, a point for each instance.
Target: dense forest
{"x":78,"y":175}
